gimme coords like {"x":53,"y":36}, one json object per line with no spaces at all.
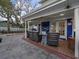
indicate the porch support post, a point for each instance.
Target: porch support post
{"x":28,"y":25}
{"x":76,"y":18}
{"x":57,"y":27}
{"x":25,"y":30}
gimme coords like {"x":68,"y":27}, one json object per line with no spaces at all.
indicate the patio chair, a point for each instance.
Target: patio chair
{"x":35,"y":36}
{"x":0,"y":40}
{"x":53,"y":39}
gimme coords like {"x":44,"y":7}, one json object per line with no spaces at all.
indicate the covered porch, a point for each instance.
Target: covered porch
{"x":58,"y":24}
{"x":62,"y":21}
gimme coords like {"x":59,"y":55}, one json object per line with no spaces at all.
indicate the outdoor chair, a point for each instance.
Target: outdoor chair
{"x":35,"y":36}
{"x":0,"y":40}
{"x":53,"y":39}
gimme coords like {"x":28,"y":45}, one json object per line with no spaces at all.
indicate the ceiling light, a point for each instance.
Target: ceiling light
{"x":61,"y":14}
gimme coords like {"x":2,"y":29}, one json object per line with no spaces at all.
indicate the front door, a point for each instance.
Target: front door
{"x":69,"y":28}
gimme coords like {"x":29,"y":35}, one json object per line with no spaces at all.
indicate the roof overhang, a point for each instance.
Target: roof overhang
{"x":52,"y":9}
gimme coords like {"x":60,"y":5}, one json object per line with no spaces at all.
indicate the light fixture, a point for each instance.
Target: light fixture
{"x":30,"y":21}
{"x":68,"y":4}
{"x":61,"y":14}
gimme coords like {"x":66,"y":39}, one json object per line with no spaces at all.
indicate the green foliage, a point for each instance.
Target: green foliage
{"x":6,"y":5}
{"x":7,"y":8}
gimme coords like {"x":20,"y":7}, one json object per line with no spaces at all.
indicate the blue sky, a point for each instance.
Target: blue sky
{"x":33,"y":2}
{"x":13,"y":1}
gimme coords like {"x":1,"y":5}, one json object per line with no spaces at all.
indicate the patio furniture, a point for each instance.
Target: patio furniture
{"x":53,"y":39}
{"x":35,"y":36}
{"x":27,"y":34}
{"x":0,"y":40}
{"x":39,"y":37}
{"x":30,"y":34}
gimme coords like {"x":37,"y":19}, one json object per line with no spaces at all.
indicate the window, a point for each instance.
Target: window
{"x":62,"y":27}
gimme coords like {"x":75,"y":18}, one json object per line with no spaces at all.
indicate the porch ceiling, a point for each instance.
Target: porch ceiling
{"x":55,"y":17}
{"x":54,"y":11}
{"x":64,"y":14}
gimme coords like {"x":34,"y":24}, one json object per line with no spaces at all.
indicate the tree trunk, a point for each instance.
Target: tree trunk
{"x":8,"y":25}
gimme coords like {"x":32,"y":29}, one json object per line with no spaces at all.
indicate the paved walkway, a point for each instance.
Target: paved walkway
{"x":13,"y":47}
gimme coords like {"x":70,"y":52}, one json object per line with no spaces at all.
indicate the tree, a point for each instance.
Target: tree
{"x":6,"y":11}
{"x":22,"y":5}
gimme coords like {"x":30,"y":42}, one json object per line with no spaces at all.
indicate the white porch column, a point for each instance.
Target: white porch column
{"x":76,"y":17}
{"x":57,"y":26}
{"x":25,"y":31}
{"x":28,"y":25}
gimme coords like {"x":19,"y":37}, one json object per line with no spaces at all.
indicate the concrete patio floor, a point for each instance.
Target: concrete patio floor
{"x":13,"y":47}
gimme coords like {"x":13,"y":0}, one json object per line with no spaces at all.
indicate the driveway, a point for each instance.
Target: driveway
{"x":13,"y":47}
